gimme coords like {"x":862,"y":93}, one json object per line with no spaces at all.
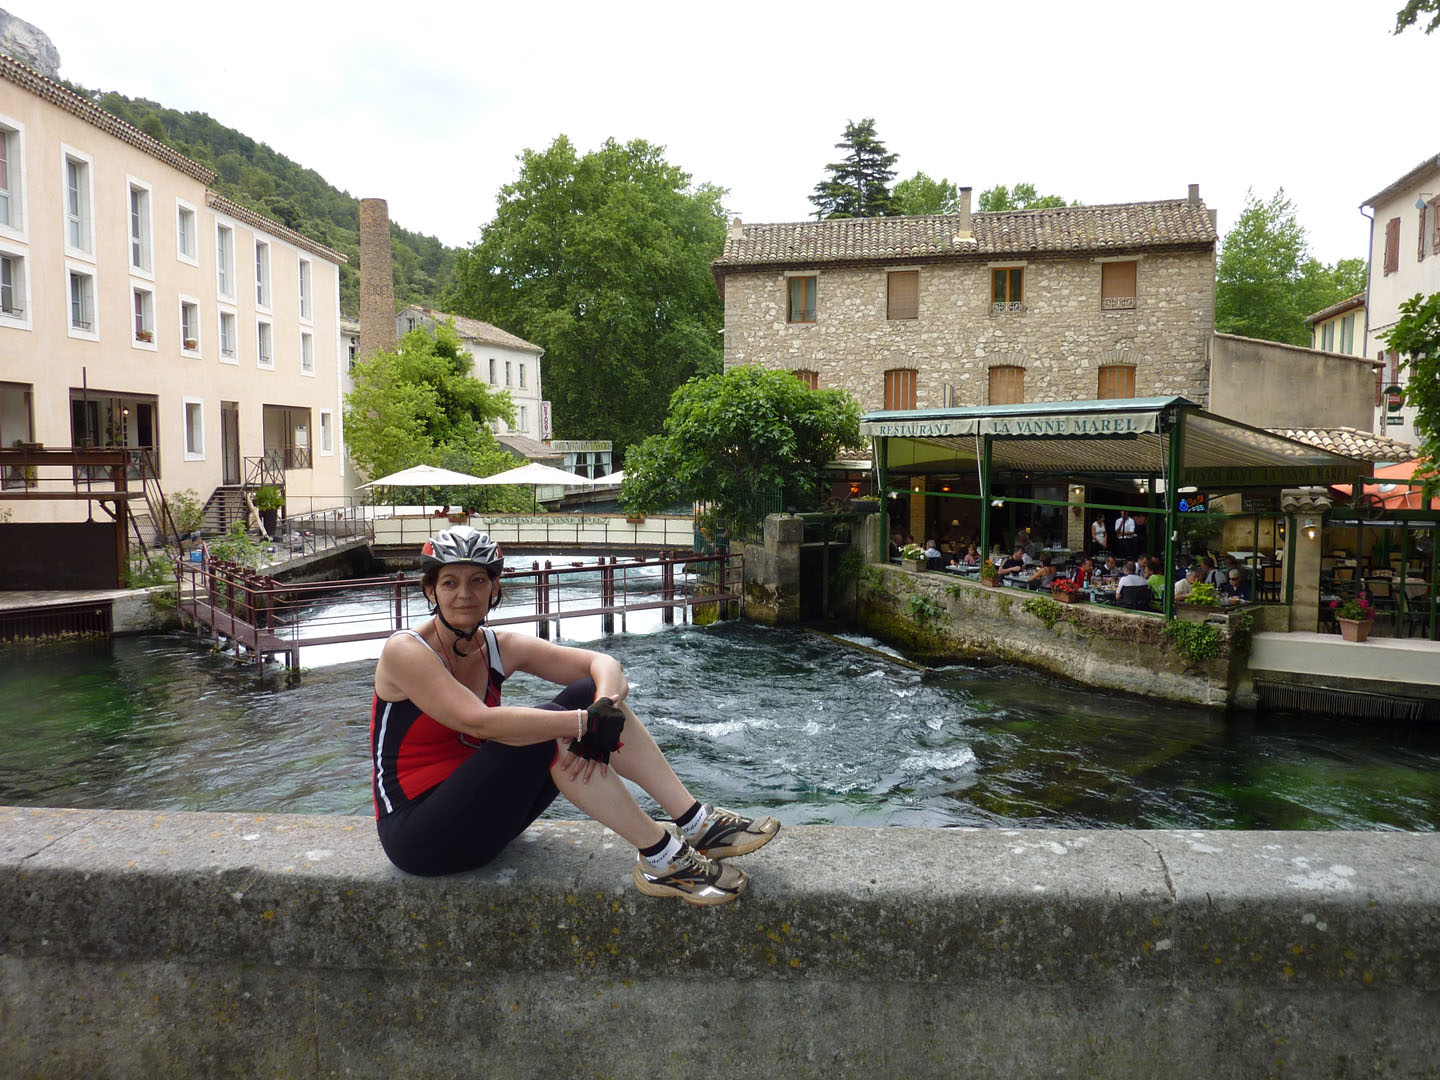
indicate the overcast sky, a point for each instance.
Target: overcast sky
{"x":428,"y":106}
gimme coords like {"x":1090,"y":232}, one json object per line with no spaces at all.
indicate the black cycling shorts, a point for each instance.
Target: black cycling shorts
{"x":468,"y":818}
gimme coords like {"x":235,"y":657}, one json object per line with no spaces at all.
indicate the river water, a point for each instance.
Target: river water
{"x":780,"y":720}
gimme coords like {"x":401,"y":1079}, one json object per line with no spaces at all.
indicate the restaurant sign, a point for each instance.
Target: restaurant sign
{"x":1058,"y":426}
{"x":1271,"y":475}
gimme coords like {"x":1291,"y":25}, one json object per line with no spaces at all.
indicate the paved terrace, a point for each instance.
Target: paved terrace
{"x":157,"y":944}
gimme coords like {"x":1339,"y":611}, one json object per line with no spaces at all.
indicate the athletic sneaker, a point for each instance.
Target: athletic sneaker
{"x":727,"y":834}
{"x":693,"y":878}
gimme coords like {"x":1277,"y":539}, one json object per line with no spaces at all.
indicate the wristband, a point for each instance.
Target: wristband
{"x":579,"y":723}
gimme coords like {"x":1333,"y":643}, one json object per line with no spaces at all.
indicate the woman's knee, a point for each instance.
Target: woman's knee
{"x":577,"y":695}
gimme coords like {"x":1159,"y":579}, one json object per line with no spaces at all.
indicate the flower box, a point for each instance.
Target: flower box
{"x":191,"y":344}
{"x":144,"y":335}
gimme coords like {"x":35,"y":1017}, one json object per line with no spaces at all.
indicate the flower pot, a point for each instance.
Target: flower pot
{"x":635,"y":519}
{"x":990,"y":582}
{"x":865,"y":506}
{"x":1355,"y":629}
{"x":911,"y":565}
{"x":1061,"y":596}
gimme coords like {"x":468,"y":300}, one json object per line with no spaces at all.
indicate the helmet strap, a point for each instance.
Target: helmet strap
{"x":460,"y":635}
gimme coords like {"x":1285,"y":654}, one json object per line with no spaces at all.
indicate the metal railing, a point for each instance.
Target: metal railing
{"x":265,"y":617}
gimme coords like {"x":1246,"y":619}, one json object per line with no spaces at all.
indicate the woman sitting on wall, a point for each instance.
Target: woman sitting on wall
{"x":456,"y":775}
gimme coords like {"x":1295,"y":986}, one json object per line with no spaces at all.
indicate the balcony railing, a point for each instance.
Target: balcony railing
{"x":280,"y":458}
{"x":1117,"y":303}
{"x":1003,"y":307}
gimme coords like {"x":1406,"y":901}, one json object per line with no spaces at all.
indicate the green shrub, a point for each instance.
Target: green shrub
{"x":923,"y":610}
{"x":1194,"y":641}
{"x":187,"y":510}
{"x":236,"y":546}
{"x":1048,"y":611}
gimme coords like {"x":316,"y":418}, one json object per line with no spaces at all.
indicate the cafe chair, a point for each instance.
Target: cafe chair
{"x":1382,"y":598}
{"x":1270,"y":583}
{"x":1136,"y":598}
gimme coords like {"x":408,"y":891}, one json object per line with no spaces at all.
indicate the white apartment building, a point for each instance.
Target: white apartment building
{"x":1404,"y":260}
{"x":139,"y":309}
{"x":502,"y":361}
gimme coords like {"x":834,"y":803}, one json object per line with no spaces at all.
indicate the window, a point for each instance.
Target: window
{"x":900,"y":388}
{"x":307,"y":354}
{"x":225,"y":260}
{"x":1347,"y":335}
{"x":522,"y":376}
{"x":1007,"y":288}
{"x":1392,"y":245}
{"x":507,"y":372}
{"x":1117,"y":286}
{"x":801,"y":308}
{"x":227,"y":336}
{"x":194,"y":430}
{"x":189,"y":326}
{"x":262,"y":274}
{"x":1327,"y":337}
{"x":143,"y":301}
{"x":903,"y":294}
{"x":82,"y":303}
{"x":1116,"y":381}
{"x":492,"y":371}
{"x":266,"y":356}
{"x":305,"y":311}
{"x":79,"y":223}
{"x":140,"y":245}
{"x":185,"y":233}
{"x":13,"y":300}
{"x":327,"y":432}
{"x":808,"y":379}
{"x":524,"y":418}
{"x":1007,"y":385}
{"x":11,"y":169}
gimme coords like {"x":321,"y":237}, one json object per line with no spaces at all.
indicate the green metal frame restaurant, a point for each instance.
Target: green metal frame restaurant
{"x":1170,"y":442}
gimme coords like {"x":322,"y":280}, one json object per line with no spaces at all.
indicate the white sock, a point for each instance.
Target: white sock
{"x":666,"y":855}
{"x":697,"y":823}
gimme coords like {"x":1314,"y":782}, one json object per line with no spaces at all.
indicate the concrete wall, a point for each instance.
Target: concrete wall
{"x":1270,"y":385}
{"x":145,"y":944}
{"x":1061,"y":338}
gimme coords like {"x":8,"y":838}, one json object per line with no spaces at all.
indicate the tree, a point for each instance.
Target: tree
{"x":737,"y":441}
{"x":604,"y":261}
{"x":859,"y":184}
{"x":921,"y":195}
{"x":1416,"y":336}
{"x":1266,"y":280}
{"x":1409,"y":16}
{"x":1022,"y":196}
{"x":419,"y":405}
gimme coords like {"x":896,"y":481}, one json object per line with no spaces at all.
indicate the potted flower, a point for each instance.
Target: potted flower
{"x":145,"y":335}
{"x":990,"y":574}
{"x":865,"y":504}
{"x":912,"y":556}
{"x":1065,"y":591}
{"x":1355,"y":618}
{"x":191,"y":344}
{"x":268,"y":501}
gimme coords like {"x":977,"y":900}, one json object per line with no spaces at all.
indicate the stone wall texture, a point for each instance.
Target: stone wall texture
{"x":377,"y":283}
{"x":1061,"y":337}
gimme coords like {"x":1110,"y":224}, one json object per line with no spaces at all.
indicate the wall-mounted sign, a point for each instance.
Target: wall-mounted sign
{"x":1017,"y":427}
{"x":1394,"y":398}
{"x":1395,"y":420}
{"x":1192,"y":504}
{"x":546,"y":431}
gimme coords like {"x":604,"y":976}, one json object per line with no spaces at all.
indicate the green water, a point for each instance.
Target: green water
{"x":752,"y":717}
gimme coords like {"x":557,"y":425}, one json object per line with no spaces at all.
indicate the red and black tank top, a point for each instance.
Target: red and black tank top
{"x":410,"y":752}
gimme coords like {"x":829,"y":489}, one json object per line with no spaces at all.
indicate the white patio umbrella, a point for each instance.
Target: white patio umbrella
{"x":614,"y":479}
{"x":423,"y":476}
{"x":536,"y":475}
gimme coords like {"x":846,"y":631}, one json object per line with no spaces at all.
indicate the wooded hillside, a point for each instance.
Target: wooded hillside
{"x":254,"y":175}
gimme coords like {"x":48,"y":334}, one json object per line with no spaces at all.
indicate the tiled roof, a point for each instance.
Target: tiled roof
{"x":1351,"y":442}
{"x":87,"y":110}
{"x":475,"y":330}
{"x":528,"y":449}
{"x":270,"y":225}
{"x":1356,"y":301}
{"x":1429,"y":164}
{"x":1121,"y":227}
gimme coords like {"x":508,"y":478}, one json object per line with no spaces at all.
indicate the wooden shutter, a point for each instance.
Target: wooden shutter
{"x":1117,"y":381}
{"x":809,"y":379}
{"x":1117,"y":286}
{"x":1392,"y":245}
{"x":900,"y":388}
{"x":1380,"y":379}
{"x":1420,"y":250}
{"x":1007,"y":385}
{"x":1435,"y":226}
{"x":903,"y":294}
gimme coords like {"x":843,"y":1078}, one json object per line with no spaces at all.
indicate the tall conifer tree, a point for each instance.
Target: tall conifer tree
{"x":859,"y":184}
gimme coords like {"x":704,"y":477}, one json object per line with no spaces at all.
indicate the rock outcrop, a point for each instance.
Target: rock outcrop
{"x":29,"y":44}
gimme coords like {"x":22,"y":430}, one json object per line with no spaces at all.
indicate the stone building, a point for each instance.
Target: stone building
{"x":1070,"y":303}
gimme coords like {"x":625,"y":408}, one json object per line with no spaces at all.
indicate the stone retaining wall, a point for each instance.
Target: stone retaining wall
{"x":174,"y":944}
{"x":938,"y":616}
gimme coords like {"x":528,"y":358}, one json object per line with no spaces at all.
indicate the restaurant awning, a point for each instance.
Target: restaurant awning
{"x":1131,"y":437}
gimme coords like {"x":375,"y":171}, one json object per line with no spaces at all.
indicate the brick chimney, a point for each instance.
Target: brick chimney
{"x":964,"y":233}
{"x":1194,"y":195}
{"x":377,"y":283}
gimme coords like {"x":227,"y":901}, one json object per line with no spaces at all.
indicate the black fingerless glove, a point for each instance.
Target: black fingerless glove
{"x":603,"y":724}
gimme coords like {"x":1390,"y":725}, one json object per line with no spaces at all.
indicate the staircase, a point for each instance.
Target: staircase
{"x":225,"y":507}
